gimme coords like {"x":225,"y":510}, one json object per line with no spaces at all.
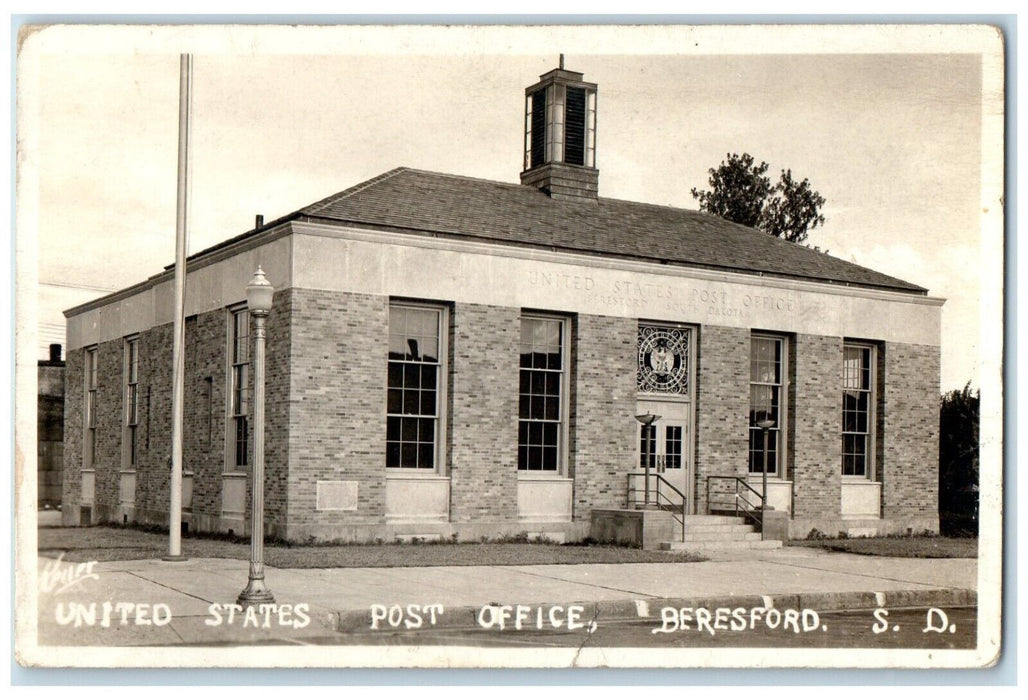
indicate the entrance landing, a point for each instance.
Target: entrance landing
{"x":660,"y":529}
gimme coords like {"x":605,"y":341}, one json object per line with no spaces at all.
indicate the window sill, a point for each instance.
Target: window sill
{"x":548,"y":476}
{"x":412,"y":475}
{"x":235,"y":474}
{"x":858,"y":480}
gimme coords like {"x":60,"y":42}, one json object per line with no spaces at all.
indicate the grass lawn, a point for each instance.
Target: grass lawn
{"x":120,"y":544}
{"x":915,"y":547}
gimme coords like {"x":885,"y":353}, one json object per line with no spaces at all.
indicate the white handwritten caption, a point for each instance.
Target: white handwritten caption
{"x":109,"y":613}
{"x":936,"y":621}
{"x":737,"y":620}
{"x":709,"y":620}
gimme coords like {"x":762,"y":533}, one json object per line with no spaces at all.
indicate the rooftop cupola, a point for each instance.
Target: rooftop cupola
{"x":560,"y":136}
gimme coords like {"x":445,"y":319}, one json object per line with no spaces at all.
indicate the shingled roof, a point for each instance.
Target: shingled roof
{"x":420,"y":202}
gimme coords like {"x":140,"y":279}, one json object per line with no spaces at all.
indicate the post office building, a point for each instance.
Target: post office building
{"x":450,"y":357}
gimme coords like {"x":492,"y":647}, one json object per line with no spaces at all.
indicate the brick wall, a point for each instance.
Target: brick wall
{"x":723,"y":404}
{"x":484,"y":416}
{"x":153,"y":468}
{"x":277,"y":398}
{"x":74,"y":405}
{"x":909,"y":465}
{"x":203,"y":445}
{"x":816,"y":425}
{"x":336,"y":412}
{"x":602,"y":410}
{"x":325,"y":412}
{"x":110,"y":407}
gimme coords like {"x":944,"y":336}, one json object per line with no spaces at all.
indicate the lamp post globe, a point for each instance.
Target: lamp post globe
{"x":259,"y":296}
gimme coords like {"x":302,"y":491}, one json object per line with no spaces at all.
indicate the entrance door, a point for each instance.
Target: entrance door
{"x":667,"y":445}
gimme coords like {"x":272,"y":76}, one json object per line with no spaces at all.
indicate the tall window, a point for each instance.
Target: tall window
{"x":541,"y":411}
{"x":91,"y":385}
{"x":857,"y":411}
{"x":414,"y":387}
{"x":239,"y":350}
{"x":767,"y":365}
{"x":132,"y":400}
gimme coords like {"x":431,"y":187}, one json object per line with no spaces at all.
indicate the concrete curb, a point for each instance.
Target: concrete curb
{"x":467,"y":616}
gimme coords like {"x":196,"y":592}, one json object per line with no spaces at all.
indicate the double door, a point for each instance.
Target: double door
{"x":666,"y":446}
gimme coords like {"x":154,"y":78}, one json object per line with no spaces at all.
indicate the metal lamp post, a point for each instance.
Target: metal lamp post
{"x":764,"y":425}
{"x":259,"y":294}
{"x":647,"y":419}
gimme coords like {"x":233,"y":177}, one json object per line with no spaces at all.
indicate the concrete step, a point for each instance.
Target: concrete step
{"x":714,"y":520}
{"x":717,"y":527}
{"x":722,"y":536}
{"x":717,"y":546}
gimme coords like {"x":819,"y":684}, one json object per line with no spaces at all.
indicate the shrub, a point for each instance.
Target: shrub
{"x":958,"y":462}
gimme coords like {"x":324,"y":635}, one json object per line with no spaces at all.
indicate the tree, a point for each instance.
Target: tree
{"x":958,"y":462}
{"x":740,"y":191}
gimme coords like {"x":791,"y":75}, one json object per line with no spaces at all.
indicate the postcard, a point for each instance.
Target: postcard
{"x":509,"y":346}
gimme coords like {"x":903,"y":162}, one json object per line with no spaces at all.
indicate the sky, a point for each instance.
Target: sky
{"x":888,"y":130}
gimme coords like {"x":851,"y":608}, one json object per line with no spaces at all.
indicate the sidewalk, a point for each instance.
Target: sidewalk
{"x":340,"y":600}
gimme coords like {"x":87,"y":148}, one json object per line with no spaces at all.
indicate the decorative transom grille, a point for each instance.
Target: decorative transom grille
{"x":663,"y":365}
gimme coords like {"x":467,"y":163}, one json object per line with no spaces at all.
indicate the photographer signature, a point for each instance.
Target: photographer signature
{"x":58,"y":576}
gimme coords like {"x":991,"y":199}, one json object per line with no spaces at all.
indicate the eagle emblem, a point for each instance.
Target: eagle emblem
{"x":663,"y":360}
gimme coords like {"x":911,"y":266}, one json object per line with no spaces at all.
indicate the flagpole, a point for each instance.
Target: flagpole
{"x":178,"y":346}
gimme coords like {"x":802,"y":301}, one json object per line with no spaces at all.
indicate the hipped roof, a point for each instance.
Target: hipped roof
{"x":421,"y":202}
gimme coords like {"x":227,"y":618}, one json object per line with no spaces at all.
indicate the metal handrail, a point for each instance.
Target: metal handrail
{"x":671,"y":506}
{"x":754,"y":511}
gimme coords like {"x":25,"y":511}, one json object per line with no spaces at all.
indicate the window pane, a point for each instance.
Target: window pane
{"x":673,"y":447}
{"x":133,"y":404}
{"x":552,"y":384}
{"x":411,"y":402}
{"x":409,"y":455}
{"x":428,"y":403}
{"x":397,"y":321}
{"x":397,"y":347}
{"x":426,"y":456}
{"x":428,"y":377}
{"x":408,"y":430}
{"x":393,"y":402}
{"x":395,"y":375}
{"x":426,"y":430}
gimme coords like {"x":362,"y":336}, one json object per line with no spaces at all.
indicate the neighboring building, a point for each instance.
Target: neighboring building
{"x":50,"y":429}
{"x":450,"y":356}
